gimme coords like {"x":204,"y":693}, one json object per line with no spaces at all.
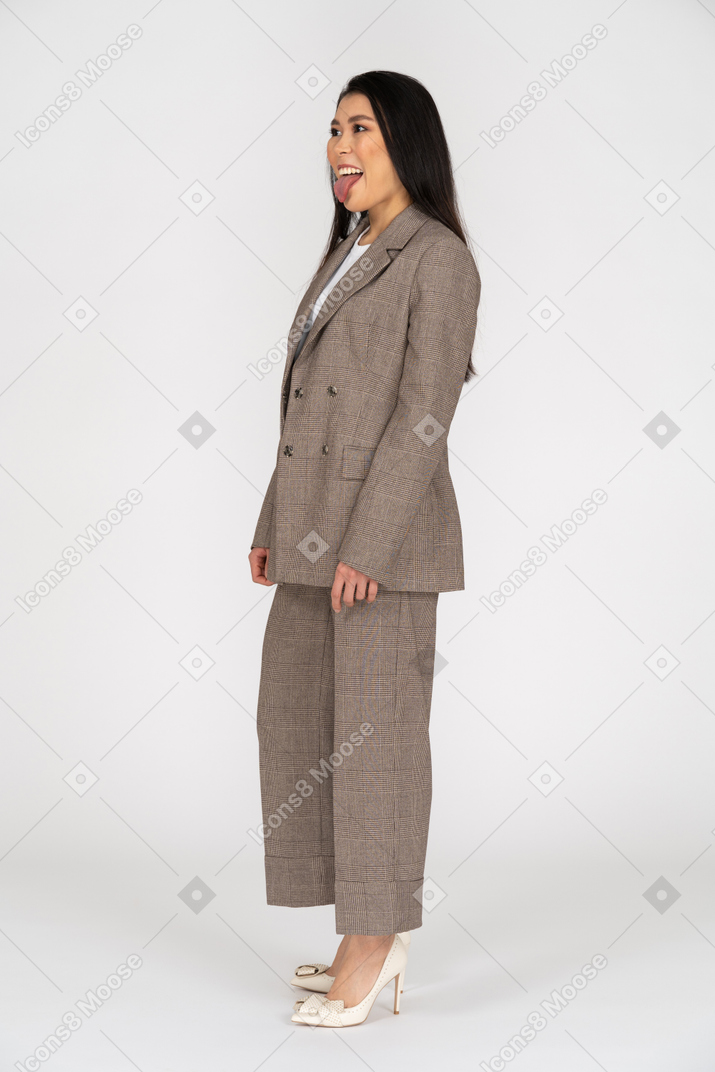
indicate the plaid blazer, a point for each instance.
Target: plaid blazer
{"x":362,"y":473}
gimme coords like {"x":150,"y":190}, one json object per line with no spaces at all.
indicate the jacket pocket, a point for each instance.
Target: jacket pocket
{"x":356,"y":462}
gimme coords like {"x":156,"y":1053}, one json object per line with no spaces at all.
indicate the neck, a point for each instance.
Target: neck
{"x":381,"y":216}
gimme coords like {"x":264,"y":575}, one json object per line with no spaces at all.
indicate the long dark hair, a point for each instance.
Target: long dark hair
{"x":418,"y":151}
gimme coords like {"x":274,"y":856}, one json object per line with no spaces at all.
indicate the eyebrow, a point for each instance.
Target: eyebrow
{"x":352,"y":119}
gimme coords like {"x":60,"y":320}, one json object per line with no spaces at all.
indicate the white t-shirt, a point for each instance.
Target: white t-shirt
{"x":346,"y":263}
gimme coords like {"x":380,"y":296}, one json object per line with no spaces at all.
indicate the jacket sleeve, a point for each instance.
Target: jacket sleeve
{"x":440,"y":335}
{"x":260,"y":537}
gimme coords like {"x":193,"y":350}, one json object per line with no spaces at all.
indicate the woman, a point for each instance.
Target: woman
{"x":360,"y":530}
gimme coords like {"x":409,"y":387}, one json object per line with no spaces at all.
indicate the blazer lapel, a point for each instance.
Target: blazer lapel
{"x":314,"y":289}
{"x":391,"y":240}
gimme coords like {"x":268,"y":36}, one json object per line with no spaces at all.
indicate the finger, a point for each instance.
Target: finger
{"x":371,"y":591}
{"x":335,"y":592}
{"x":349,"y":594}
{"x":260,"y":578}
{"x":258,"y":568}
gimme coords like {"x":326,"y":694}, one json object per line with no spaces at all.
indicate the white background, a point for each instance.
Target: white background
{"x":599,"y":666}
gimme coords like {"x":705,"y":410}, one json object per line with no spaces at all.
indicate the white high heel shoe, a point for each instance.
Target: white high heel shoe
{"x":313,"y":976}
{"x":320,"y":1011}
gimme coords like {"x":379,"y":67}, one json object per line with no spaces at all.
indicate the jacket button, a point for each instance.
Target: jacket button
{"x":298,"y":393}
{"x":287,"y":450}
{"x":332,"y":390}
{"x":325,"y":448}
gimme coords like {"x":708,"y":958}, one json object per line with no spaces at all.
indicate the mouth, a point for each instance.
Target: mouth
{"x":344,"y":184}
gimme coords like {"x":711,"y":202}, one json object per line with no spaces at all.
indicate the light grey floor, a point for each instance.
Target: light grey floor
{"x":212,"y":991}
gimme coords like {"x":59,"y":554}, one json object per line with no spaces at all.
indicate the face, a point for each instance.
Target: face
{"x":356,"y":140}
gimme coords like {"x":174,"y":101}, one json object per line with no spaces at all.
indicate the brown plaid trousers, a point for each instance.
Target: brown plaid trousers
{"x":344,"y":754}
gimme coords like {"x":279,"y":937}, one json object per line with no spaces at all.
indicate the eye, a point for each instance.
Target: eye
{"x":336,"y":130}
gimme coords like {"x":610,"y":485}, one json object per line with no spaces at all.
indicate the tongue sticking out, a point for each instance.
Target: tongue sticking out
{"x":344,"y":185}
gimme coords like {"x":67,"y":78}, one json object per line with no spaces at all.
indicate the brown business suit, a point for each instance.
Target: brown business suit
{"x":362,"y":477}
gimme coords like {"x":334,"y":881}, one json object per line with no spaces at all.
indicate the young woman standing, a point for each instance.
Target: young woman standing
{"x":360,"y":530}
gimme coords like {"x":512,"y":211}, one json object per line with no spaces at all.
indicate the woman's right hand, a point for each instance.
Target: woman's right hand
{"x":258,"y":559}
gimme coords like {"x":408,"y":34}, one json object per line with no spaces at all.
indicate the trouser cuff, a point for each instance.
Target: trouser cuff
{"x":377,"y":907}
{"x":300,"y":882}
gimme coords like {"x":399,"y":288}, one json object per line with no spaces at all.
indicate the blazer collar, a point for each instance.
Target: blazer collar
{"x":378,"y":255}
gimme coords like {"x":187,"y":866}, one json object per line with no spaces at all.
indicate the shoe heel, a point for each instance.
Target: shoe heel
{"x":399,"y":985}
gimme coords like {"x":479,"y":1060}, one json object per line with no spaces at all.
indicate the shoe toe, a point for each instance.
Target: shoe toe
{"x":312,"y":977}
{"x":318,"y":1010}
